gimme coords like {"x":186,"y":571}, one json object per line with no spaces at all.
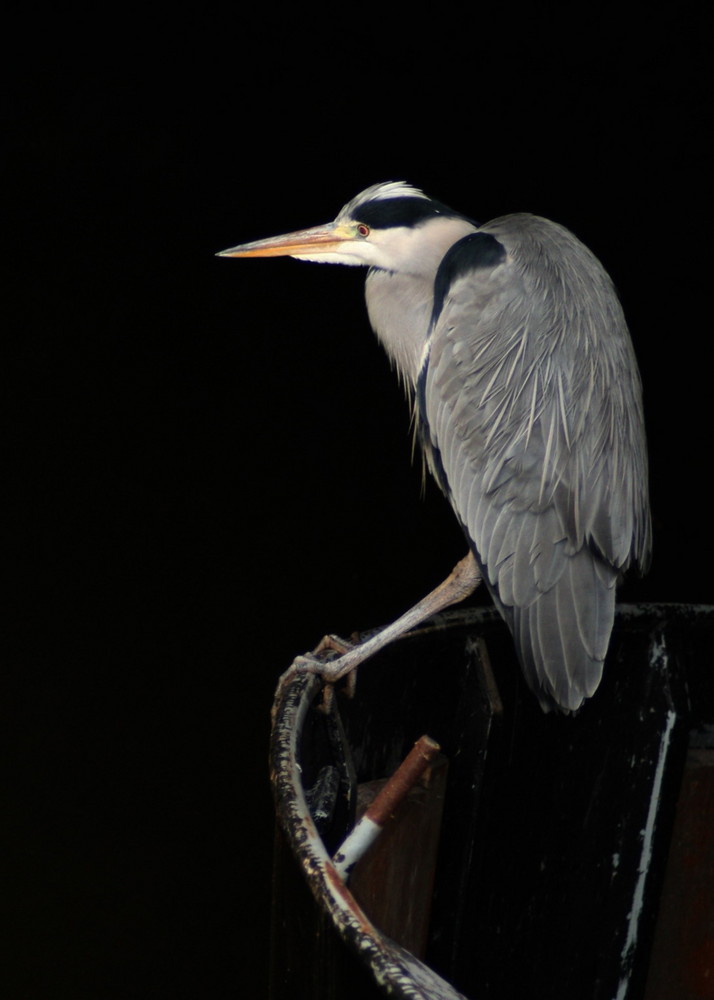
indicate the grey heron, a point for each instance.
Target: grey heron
{"x":528,"y":404}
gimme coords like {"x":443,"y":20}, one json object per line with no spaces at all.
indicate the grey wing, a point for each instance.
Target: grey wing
{"x":532,"y":422}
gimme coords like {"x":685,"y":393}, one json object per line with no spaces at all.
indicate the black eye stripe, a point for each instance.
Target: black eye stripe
{"x":387,"y":213}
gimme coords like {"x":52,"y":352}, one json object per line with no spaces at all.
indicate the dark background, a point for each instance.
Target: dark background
{"x":209,"y":459}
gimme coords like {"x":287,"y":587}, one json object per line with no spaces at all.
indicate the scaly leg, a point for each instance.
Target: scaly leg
{"x":462,"y":581}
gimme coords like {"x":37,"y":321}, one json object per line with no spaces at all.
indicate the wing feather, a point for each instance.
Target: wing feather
{"x":531,"y":414}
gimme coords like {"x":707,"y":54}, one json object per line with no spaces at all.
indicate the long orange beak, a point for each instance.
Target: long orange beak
{"x":319,"y":239}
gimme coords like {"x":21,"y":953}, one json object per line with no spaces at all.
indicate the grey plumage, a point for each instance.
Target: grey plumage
{"x":532,"y":401}
{"x":513,"y":342}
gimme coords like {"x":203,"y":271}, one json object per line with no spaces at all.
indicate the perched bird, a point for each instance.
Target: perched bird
{"x":528,"y":405}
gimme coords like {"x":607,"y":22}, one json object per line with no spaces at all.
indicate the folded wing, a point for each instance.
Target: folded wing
{"x":531,"y":419}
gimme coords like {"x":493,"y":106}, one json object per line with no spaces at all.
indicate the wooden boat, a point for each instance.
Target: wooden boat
{"x":531,"y":861}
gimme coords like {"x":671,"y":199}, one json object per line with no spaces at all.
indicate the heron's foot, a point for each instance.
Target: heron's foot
{"x":325,"y":659}
{"x":329,"y":661}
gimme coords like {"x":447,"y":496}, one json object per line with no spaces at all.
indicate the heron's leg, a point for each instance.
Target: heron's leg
{"x":462,"y":581}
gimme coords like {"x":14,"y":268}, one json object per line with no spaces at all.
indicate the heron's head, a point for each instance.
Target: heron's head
{"x":392,"y":226}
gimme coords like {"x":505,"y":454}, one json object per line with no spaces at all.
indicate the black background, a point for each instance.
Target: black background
{"x":209,"y":458}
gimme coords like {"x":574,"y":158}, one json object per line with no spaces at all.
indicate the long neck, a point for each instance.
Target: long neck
{"x":399,"y":307}
{"x":400,"y":299}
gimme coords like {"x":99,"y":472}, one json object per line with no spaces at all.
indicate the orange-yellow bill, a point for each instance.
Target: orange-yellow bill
{"x":320,"y":239}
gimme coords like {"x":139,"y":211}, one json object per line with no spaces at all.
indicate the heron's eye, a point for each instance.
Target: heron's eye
{"x":362,"y":229}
